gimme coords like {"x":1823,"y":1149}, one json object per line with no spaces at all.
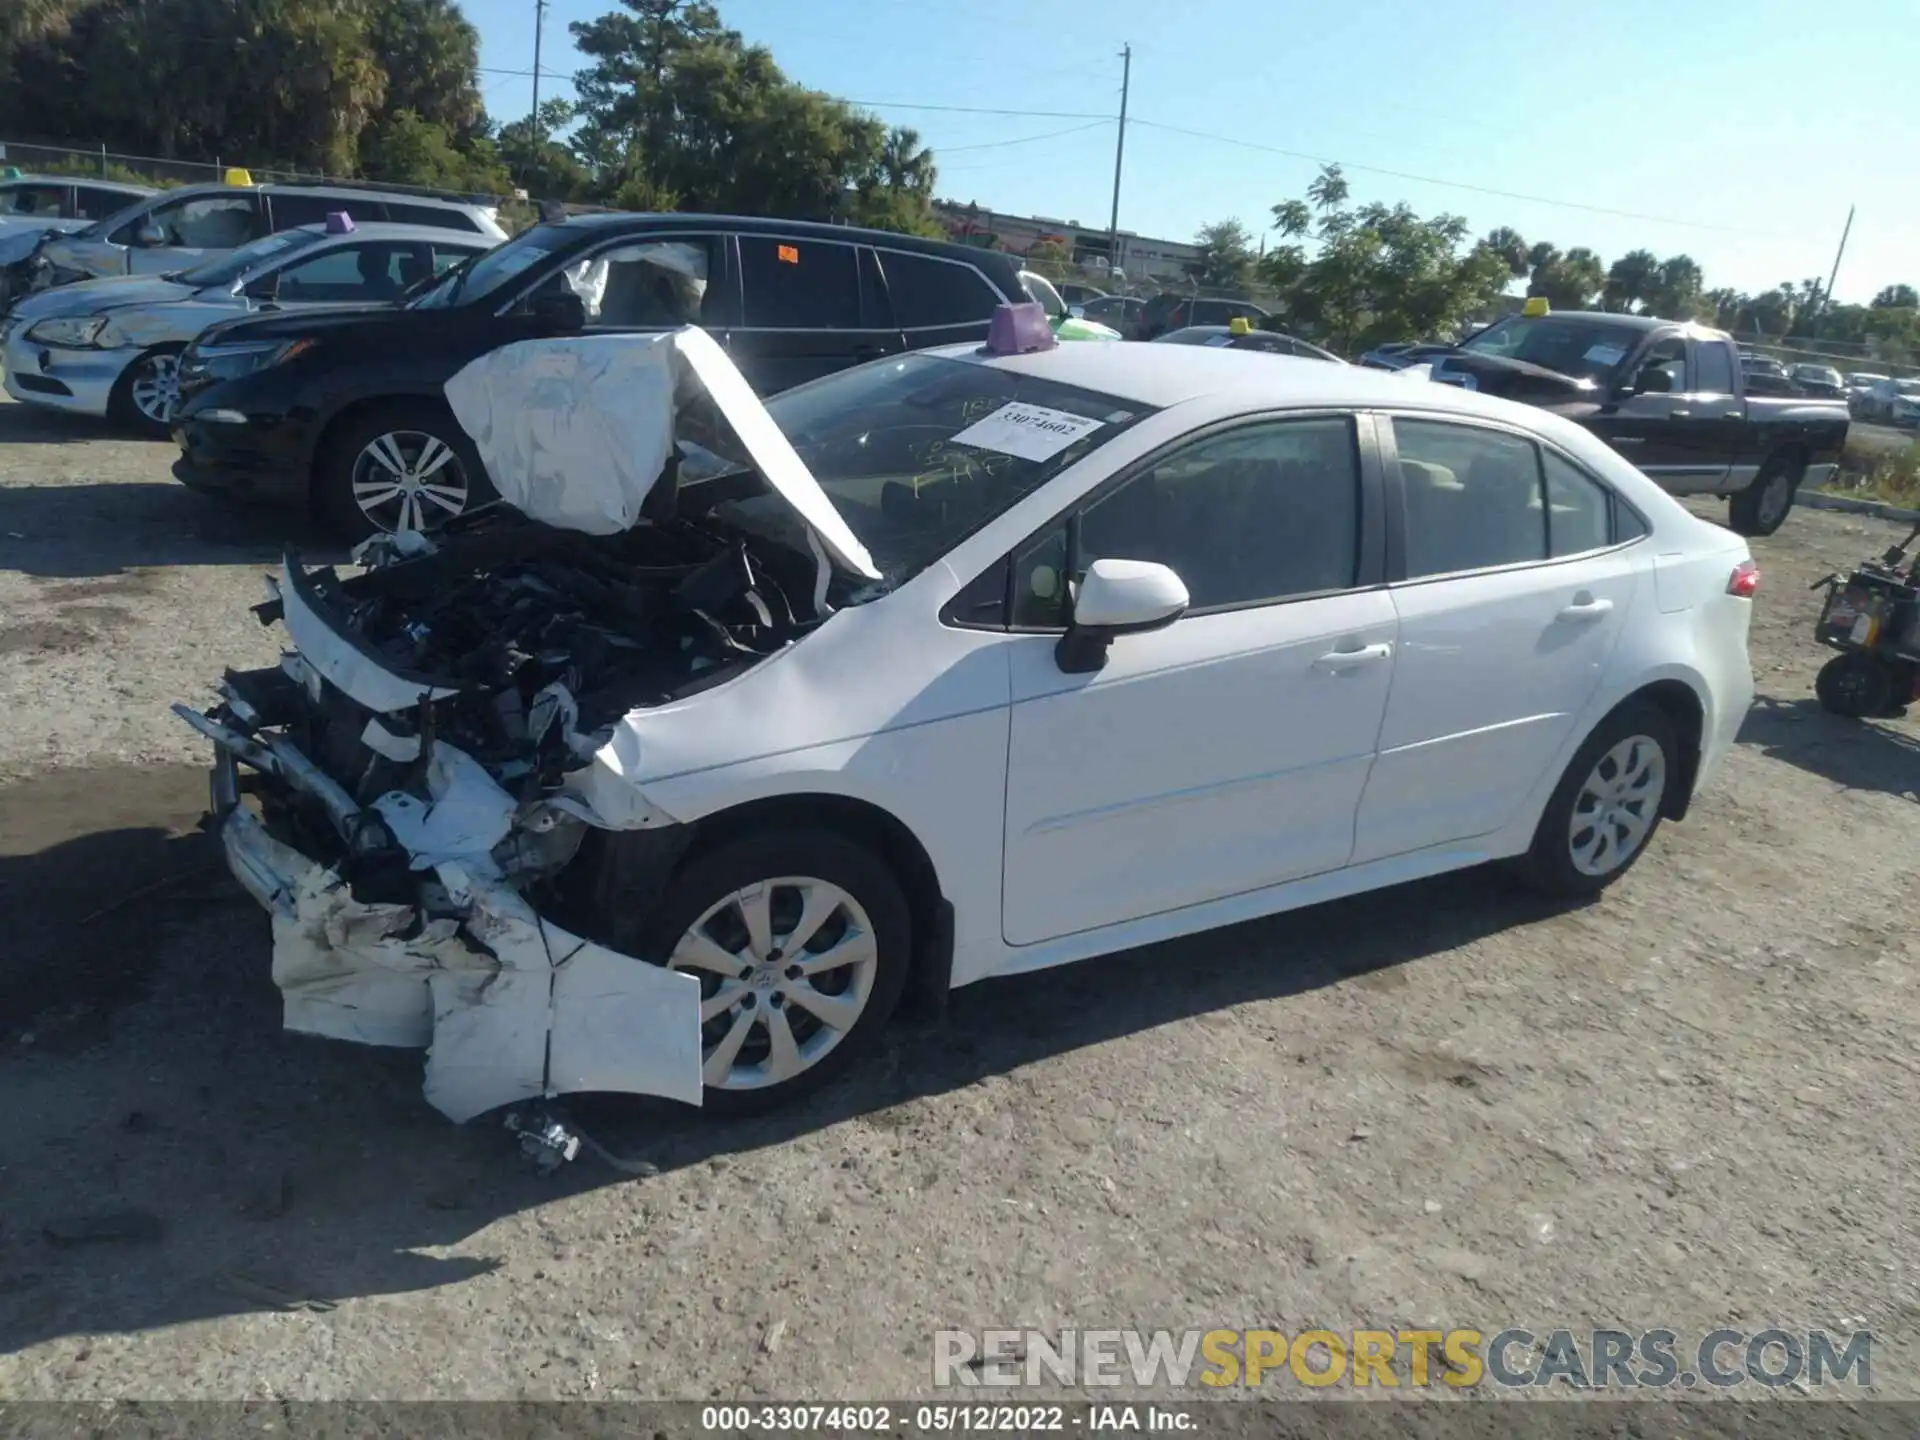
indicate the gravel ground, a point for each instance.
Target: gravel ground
{"x":1691,"y":1104}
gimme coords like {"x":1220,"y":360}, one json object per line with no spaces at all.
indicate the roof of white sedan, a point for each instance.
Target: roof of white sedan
{"x":1162,"y":375}
{"x":387,"y":230}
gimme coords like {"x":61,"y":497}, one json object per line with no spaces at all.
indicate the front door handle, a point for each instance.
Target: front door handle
{"x":1680,"y":414}
{"x":1337,"y":661}
{"x":1585,"y":607}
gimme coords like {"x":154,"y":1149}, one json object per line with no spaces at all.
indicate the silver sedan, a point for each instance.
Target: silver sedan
{"x":112,"y":347}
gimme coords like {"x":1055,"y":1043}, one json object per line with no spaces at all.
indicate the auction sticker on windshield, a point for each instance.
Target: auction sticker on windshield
{"x":1030,"y":432}
{"x":1604,"y":354}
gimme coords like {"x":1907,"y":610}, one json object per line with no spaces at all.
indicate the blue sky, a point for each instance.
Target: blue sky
{"x":1738,"y":133}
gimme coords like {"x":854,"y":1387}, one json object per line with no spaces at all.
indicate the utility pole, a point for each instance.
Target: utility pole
{"x":1119,"y":152}
{"x":539,"y":23}
{"x":1826,"y":300}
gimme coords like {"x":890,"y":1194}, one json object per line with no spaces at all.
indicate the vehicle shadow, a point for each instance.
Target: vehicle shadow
{"x":158,"y":1077}
{"x":1859,"y":754}
{"x":31,"y":425}
{"x":95,"y":529}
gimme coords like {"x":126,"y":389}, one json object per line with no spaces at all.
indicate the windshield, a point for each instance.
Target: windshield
{"x":1041,"y":289}
{"x":1861,"y":377}
{"x":1587,"y":347}
{"x":230,"y":267}
{"x":494,"y":269}
{"x":918,"y":453}
{"x":1907,"y":387}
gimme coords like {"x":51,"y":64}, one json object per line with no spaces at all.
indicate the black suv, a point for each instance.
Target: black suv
{"x":344,"y":410}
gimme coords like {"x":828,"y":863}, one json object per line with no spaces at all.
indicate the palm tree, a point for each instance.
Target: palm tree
{"x":1329,"y":189}
{"x":906,"y":163}
{"x":1631,"y":280}
{"x":1292,"y":217}
{"x":1507,"y":244}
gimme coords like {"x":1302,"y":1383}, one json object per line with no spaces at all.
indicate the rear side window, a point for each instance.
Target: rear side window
{"x":799,"y":284}
{"x":293,"y":210}
{"x":928,"y":291}
{"x":1716,"y":369}
{"x":1474,"y":498}
{"x":443,"y":217}
{"x":92,"y":203}
{"x":1578,"y":509}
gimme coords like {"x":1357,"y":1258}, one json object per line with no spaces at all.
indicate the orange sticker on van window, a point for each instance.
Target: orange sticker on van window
{"x":788,"y":254}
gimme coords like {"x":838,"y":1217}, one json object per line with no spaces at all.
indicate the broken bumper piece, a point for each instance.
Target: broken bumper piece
{"x":510,"y":1006}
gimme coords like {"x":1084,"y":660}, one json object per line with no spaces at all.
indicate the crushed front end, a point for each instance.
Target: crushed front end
{"x":409,"y":793}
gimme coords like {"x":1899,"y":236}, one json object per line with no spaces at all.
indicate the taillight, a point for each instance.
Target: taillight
{"x":1744,"y":580}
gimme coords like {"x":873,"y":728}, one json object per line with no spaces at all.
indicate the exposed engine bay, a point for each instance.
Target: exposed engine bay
{"x":408,"y":793}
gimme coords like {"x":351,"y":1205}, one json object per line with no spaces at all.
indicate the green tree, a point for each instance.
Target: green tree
{"x":1506,"y":243}
{"x":543,"y":165}
{"x":1292,"y":218}
{"x":1675,"y":290}
{"x":408,"y":150}
{"x":1897,"y":297}
{"x":1226,"y":256}
{"x":1328,"y":190}
{"x":1630,"y":280}
{"x":1569,"y":281}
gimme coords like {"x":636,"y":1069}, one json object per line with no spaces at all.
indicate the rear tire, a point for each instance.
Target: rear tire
{"x":1763,"y":506}
{"x":146,"y":397}
{"x":1855,"y":685}
{"x":402,"y":465}
{"x":1606,"y":809}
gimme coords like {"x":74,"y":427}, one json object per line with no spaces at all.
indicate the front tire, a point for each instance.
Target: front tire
{"x":1763,"y":506}
{"x":801,"y":941}
{"x":401,"y":466}
{"x":146,"y":397}
{"x":1606,"y":808}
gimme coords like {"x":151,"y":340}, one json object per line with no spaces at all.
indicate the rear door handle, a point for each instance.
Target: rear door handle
{"x":1588,"y":609}
{"x":1336,"y":661}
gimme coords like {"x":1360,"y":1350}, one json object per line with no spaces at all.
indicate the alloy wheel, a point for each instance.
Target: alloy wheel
{"x":409,"y":480}
{"x":786,"y":967}
{"x":155,"y":390}
{"x":1617,"y":805}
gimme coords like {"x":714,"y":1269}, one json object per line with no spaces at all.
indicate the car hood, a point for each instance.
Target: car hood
{"x":95,"y":297}
{"x":17,"y":242}
{"x":308,"y":324}
{"x":1509,"y":379}
{"x":576,"y":432}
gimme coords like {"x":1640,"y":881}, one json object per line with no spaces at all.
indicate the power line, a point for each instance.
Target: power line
{"x":1464,"y":185}
{"x":974,"y":109}
{"x":1026,"y":139}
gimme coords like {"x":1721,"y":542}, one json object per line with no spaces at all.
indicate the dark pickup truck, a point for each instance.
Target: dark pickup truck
{"x":1670,"y":397}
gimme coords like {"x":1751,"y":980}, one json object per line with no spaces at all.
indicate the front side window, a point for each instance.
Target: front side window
{"x":41,"y":200}
{"x":1474,"y":498}
{"x":1262,"y":513}
{"x":1669,"y":356}
{"x":350,"y":275}
{"x":206,"y":222}
{"x":799,"y":284}
{"x":645,"y":285}
{"x":225,"y":269}
{"x":919,"y":452}
{"x":929,"y":292}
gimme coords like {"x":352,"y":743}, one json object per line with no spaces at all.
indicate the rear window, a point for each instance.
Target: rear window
{"x":799,"y":284}
{"x":928,"y":291}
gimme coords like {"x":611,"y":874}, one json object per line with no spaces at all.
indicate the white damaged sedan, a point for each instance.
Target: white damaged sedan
{"x":735,"y":723}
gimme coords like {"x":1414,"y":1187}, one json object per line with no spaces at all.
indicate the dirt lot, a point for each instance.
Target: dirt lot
{"x":1695,"y":1103}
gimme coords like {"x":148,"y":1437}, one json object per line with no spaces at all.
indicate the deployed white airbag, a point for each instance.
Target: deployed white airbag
{"x":575,"y":432}
{"x":572,"y":432}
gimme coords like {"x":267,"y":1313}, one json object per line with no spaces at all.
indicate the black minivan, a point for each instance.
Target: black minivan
{"x":344,"y":410}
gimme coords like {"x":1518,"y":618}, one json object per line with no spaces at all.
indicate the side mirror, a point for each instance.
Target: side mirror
{"x":560,"y":312}
{"x":265,"y":287}
{"x":149,"y":237}
{"x":1078,"y":312}
{"x":1651,"y":381}
{"x":1118,"y":597}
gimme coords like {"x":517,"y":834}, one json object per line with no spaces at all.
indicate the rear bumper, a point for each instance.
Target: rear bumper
{"x":437,"y":949}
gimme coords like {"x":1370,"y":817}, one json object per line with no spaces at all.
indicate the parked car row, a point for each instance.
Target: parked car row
{"x":1888,"y":400}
